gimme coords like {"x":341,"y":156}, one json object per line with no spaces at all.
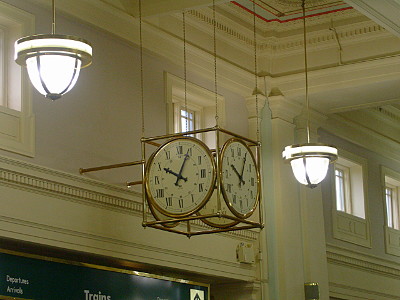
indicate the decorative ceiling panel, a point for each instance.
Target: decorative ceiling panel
{"x":290,"y":10}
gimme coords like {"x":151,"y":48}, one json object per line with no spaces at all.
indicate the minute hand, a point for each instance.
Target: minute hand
{"x":180,"y":171}
{"x":244,"y":162}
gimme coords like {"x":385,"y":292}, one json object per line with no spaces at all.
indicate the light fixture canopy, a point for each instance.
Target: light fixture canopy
{"x":310,"y":161}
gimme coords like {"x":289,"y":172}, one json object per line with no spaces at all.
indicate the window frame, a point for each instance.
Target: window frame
{"x":352,"y":227}
{"x":391,"y":179}
{"x":199,"y":99}
{"x":17,"y":122}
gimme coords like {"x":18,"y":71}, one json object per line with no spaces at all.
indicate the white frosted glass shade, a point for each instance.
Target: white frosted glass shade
{"x":56,"y":73}
{"x":53,"y":61}
{"x":310,"y":162}
{"x":315,"y":168}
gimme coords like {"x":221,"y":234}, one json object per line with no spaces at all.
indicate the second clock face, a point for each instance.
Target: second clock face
{"x":180,"y":177}
{"x":239,"y":178}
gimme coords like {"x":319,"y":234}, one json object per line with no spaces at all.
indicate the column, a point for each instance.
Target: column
{"x":293,"y":213}
{"x":314,"y":243}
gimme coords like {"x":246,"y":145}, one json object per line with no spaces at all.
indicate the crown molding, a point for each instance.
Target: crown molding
{"x":365,"y":262}
{"x":368,"y":138}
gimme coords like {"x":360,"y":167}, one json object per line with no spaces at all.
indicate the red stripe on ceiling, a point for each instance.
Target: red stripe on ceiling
{"x":289,"y":20}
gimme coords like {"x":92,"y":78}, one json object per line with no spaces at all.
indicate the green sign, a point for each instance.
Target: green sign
{"x":24,"y":277}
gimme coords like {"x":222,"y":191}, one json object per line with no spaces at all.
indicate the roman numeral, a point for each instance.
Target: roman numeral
{"x":159,"y":193}
{"x":252,"y":181}
{"x":156,"y":180}
{"x":180,"y":203}
{"x":168,"y":201}
{"x":201,"y":187}
{"x":179,"y":150}
{"x":239,"y":151}
{"x":168,"y":154}
{"x":229,"y":187}
{"x":199,"y":160}
{"x":203,"y":173}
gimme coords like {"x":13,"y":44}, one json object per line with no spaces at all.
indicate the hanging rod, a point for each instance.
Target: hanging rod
{"x":114,"y":166}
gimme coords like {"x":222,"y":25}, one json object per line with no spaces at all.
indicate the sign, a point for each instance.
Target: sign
{"x":23,"y":277}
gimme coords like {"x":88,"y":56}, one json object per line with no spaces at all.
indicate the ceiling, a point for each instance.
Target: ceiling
{"x":353,"y":46}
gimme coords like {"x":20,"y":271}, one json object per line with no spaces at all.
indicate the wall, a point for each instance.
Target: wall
{"x":44,"y":200}
{"x":359,"y":272}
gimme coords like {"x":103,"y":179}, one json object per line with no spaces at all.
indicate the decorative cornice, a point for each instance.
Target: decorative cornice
{"x":368,"y":263}
{"x":360,"y":31}
{"x":41,"y":185}
{"x":37,"y":179}
{"x":358,"y":291}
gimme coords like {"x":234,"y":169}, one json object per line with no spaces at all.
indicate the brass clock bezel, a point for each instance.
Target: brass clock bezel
{"x":153,"y":203}
{"x":220,"y":173}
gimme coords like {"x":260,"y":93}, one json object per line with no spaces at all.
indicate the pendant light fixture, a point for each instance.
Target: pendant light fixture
{"x":53,"y":60}
{"x":309,"y":161}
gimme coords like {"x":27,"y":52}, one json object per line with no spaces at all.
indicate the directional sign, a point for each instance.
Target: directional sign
{"x":23,"y":277}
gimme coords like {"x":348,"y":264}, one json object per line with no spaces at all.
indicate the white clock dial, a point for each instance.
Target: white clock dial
{"x":239,"y":178}
{"x":180,"y":177}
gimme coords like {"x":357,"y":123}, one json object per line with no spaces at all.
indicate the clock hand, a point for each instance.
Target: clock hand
{"x":168,"y":170}
{"x":180,"y":171}
{"x":241,"y":174}
{"x":237,"y":173}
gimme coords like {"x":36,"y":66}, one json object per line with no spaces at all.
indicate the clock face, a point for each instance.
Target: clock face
{"x":180,"y":177}
{"x":239,"y":178}
{"x":211,"y":207}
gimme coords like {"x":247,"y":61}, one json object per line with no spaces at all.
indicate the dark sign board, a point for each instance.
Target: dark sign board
{"x":24,"y":277}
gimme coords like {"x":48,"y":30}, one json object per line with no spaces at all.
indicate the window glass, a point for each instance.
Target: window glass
{"x":349,"y":187}
{"x":339,"y":180}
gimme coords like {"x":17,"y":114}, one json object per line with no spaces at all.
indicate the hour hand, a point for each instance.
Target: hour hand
{"x":237,"y":173}
{"x":168,"y":170}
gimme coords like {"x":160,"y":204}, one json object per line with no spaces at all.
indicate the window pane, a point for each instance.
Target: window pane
{"x":389,"y":206}
{"x":339,"y":180}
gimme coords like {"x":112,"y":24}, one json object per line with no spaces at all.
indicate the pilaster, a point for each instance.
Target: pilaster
{"x":293,"y":213}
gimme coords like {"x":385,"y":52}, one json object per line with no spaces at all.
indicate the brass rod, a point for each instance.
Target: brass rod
{"x":53,"y":24}
{"x":144,"y":202}
{"x":131,"y":183}
{"x":254,"y":143}
{"x":127,"y":164}
{"x":218,"y":162}
{"x":260,"y":204}
{"x":255,"y":224}
{"x":153,"y":143}
{"x":166,"y":136}
{"x":219,"y":230}
{"x":222,"y":230}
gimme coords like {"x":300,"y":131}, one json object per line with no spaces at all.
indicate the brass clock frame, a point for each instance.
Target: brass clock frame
{"x":194,"y":221}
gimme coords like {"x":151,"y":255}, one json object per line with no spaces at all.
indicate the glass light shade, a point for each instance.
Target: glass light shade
{"x":310,"y":162}
{"x":53,"y":61}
